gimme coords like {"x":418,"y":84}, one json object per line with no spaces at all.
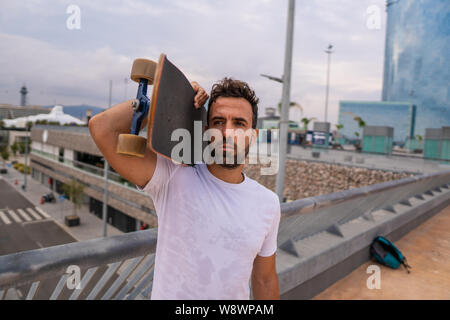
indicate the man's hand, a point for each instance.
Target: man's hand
{"x":201,"y":96}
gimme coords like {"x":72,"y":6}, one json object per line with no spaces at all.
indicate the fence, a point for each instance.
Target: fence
{"x":121,"y":267}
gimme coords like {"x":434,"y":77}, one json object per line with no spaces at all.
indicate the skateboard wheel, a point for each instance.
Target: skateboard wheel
{"x":132,"y":145}
{"x":143,"y":69}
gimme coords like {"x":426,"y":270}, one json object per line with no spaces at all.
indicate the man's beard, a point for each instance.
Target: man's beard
{"x":235,"y":163}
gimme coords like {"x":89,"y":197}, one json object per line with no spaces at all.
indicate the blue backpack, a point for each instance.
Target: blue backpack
{"x":386,"y":253}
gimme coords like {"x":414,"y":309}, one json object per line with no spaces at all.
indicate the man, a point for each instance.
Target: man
{"x":216,"y":227}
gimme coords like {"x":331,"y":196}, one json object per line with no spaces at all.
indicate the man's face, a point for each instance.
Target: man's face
{"x":233,"y":118}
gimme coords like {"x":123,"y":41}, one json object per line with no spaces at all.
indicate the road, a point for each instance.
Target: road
{"x":23,"y":227}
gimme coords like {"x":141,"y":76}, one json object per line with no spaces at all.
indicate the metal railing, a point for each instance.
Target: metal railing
{"x":121,"y":267}
{"x":334,"y":209}
{"x":113,"y":176}
{"x":116,"y":267}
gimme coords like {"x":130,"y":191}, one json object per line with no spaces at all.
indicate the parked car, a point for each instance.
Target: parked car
{"x":49,"y":197}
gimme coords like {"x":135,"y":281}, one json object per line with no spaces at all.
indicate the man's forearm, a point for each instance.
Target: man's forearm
{"x":268,"y":290}
{"x":117,"y":119}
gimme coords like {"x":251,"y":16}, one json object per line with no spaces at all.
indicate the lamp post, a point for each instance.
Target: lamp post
{"x":284,"y":119}
{"x":105,"y":197}
{"x":105,"y":177}
{"x":24,"y":187}
{"x":285,"y":101}
{"x":329,"y":52}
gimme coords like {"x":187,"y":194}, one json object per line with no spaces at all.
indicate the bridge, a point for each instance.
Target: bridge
{"x":322,"y":241}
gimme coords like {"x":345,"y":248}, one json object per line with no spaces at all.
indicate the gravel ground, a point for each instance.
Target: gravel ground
{"x":307,"y":179}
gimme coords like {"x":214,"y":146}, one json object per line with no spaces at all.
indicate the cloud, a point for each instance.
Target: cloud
{"x":207,"y":40}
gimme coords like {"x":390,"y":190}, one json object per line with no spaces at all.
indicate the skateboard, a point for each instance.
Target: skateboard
{"x":171,"y":107}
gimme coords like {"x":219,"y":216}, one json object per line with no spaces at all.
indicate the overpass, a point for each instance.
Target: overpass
{"x":321,"y":240}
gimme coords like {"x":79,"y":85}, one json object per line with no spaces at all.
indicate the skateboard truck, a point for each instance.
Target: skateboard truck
{"x":140,"y":106}
{"x":143,"y":72}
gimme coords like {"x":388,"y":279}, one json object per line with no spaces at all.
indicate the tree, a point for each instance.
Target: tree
{"x":14,"y":148}
{"x":74,"y":190}
{"x":306,"y":122}
{"x":419,"y":139}
{"x":361,"y":124}
{"x":2,"y":123}
{"x":5,"y":155}
{"x":21,"y":147}
{"x":339,"y":128}
{"x":292,"y":104}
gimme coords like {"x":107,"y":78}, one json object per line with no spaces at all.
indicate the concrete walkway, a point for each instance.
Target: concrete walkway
{"x":427,"y":249}
{"x":90,"y":227}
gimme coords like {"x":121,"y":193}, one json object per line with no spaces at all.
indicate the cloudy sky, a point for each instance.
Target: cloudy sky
{"x":206,"y":39}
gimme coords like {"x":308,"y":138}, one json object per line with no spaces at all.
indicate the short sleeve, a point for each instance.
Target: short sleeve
{"x":269,"y":246}
{"x":161,"y":176}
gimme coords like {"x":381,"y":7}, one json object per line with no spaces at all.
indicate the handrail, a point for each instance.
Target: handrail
{"x":307,"y":205}
{"x":24,"y":267}
{"x":334,"y":209}
{"x":82,"y":166}
{"x":34,"y":266}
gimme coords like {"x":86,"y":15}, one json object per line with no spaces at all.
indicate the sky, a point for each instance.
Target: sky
{"x":68,"y":56}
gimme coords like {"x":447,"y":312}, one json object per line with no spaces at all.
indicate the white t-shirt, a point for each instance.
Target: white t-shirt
{"x":209,"y":232}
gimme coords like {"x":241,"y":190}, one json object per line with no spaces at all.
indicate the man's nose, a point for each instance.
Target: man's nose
{"x":228,"y":130}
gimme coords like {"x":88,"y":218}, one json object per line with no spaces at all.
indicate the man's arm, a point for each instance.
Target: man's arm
{"x":105,"y":128}
{"x":265,"y":279}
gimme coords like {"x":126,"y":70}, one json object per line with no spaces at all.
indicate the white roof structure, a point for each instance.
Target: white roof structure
{"x":56,"y":114}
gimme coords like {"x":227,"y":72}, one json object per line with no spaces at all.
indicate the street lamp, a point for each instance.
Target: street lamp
{"x":24,"y":186}
{"x":285,"y":101}
{"x":272,"y":78}
{"x":105,"y":176}
{"x":329,"y":52}
{"x":105,"y":196}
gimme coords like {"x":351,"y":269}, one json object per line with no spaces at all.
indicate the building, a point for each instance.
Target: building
{"x":377,"y":139}
{"x":398,"y":115}
{"x":60,"y":153}
{"x":8,"y":136}
{"x":56,"y":115}
{"x":417,"y":55}
{"x":8,"y":111}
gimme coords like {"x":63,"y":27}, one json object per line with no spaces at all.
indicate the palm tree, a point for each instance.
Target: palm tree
{"x":419,"y":139}
{"x":292,"y":104}
{"x":74,"y":190}
{"x":306,"y":122}
{"x":361,"y":124}
{"x":339,"y":127}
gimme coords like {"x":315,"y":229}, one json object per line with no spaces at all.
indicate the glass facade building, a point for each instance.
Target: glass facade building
{"x":398,"y":115}
{"x":417,"y":59}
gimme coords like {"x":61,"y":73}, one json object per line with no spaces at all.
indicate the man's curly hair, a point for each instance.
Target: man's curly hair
{"x":228,"y":87}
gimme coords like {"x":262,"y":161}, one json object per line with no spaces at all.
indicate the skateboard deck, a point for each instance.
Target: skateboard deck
{"x":172,"y":108}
